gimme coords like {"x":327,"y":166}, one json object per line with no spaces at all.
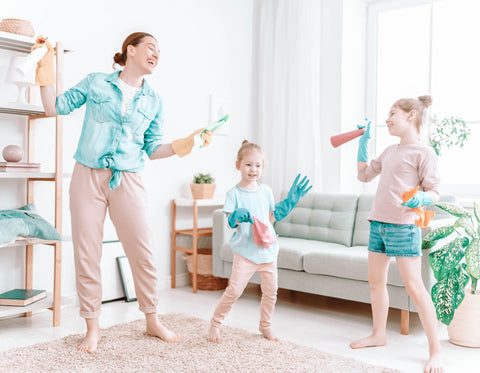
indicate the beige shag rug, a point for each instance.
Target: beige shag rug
{"x":126,"y":348}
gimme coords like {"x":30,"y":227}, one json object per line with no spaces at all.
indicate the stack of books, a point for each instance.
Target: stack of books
{"x":19,"y":167}
{"x":21,"y":297}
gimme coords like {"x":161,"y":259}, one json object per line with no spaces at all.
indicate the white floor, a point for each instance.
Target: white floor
{"x":324,"y":323}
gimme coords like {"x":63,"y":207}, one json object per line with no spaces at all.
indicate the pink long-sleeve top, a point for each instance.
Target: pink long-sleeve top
{"x":401,"y":168}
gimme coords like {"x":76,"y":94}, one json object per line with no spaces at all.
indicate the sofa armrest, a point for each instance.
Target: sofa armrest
{"x":221,"y":236}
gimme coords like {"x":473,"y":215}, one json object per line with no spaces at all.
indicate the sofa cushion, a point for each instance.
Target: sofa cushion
{"x":292,"y":251}
{"x":226,"y":253}
{"x":322,"y":217}
{"x":361,"y":230}
{"x":345,"y":262}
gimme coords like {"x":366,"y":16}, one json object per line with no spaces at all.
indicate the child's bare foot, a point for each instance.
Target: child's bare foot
{"x":90,"y":342}
{"x":435,"y":364}
{"x":214,"y":334}
{"x":268,"y":333}
{"x":156,"y":329}
{"x":370,"y":341}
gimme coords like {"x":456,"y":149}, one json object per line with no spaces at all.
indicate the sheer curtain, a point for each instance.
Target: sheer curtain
{"x":289,"y":90}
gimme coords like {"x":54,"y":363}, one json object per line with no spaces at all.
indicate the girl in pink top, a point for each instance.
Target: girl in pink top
{"x":393,"y":233}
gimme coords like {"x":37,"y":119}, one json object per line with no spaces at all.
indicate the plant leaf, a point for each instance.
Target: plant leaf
{"x":439,"y":233}
{"x":453,"y":209}
{"x":448,"y":294}
{"x":465,"y":223}
{"x":472,"y":257}
{"x":476,"y":210}
{"x":428,"y":244}
{"x":447,"y":258}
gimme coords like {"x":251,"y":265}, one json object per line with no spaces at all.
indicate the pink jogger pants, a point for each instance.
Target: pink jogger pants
{"x":242,"y":270}
{"x":127,"y":205}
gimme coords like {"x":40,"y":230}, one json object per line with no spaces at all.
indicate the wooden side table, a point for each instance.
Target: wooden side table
{"x":195,"y":232}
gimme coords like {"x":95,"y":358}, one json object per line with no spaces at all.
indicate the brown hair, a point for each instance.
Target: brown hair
{"x":132,"y":39}
{"x":245,"y":148}
{"x":418,"y":105}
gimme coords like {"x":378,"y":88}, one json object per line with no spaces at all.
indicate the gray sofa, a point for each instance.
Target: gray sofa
{"x":323,"y":250}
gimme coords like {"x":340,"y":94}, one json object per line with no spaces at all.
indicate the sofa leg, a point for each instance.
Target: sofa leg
{"x":404,"y":321}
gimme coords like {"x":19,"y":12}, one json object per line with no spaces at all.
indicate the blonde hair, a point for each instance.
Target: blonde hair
{"x":418,"y":105}
{"x":247,"y":147}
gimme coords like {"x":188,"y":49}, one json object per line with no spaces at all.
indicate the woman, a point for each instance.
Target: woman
{"x":123,"y":120}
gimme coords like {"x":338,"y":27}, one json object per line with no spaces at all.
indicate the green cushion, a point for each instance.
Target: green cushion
{"x":27,"y":223}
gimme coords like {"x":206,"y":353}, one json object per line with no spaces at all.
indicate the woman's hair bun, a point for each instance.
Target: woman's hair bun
{"x":118,"y":59}
{"x":426,"y":100}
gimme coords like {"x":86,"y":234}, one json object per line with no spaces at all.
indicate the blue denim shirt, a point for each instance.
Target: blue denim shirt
{"x":107,"y":139}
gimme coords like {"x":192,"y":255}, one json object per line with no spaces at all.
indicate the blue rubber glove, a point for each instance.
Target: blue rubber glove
{"x":240,"y":215}
{"x":363,"y":143}
{"x":419,"y":199}
{"x":295,"y":194}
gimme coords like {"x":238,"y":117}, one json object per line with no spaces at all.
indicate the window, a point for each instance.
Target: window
{"x":425,"y":47}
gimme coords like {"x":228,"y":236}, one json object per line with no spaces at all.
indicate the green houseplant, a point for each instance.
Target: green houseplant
{"x":455,"y":264}
{"x":447,"y":132}
{"x":202,"y":186}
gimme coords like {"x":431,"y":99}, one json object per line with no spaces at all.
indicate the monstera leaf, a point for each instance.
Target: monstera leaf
{"x":449,"y":293}
{"x":445,"y":259}
{"x":453,"y":209}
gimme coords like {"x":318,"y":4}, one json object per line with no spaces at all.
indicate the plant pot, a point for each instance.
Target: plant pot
{"x":202,"y":191}
{"x":464,"y":330}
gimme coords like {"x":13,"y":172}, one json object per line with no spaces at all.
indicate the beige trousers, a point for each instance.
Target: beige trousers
{"x":242,"y":270}
{"x":127,"y":206}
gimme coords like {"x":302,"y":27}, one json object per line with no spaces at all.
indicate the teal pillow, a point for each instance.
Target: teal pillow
{"x":25,"y":222}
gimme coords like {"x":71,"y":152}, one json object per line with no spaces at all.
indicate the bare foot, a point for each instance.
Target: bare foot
{"x":214,"y":334}
{"x":90,"y":342}
{"x":268,"y":333}
{"x":435,"y":364}
{"x":370,"y":341}
{"x":156,"y":329}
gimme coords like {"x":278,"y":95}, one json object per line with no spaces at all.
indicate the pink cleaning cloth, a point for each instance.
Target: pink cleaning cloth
{"x":261,"y":234}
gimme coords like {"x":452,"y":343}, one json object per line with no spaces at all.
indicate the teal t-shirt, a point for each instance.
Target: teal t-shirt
{"x":259,"y":202}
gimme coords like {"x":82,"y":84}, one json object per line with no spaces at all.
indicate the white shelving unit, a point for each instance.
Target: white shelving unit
{"x":18,"y":43}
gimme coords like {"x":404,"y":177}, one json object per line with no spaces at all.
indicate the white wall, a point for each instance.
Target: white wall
{"x":206,"y":48}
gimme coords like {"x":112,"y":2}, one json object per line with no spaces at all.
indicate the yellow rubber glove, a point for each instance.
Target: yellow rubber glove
{"x":45,"y":73}
{"x":184,"y":146}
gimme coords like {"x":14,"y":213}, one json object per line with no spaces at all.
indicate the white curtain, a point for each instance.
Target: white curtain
{"x":289,"y":90}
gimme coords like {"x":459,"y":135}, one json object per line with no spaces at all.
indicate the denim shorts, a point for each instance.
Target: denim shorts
{"x":395,"y":239}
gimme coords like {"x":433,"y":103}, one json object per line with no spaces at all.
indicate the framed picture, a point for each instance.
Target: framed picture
{"x":127,"y":278}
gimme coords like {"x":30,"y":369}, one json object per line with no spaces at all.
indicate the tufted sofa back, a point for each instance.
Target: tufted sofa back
{"x":322,"y":217}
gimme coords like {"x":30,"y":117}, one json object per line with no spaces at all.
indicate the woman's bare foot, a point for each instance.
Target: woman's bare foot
{"x":156,"y":329}
{"x":268,"y":333}
{"x":435,"y":364}
{"x":214,"y":334}
{"x":370,"y":341}
{"x":90,"y":343}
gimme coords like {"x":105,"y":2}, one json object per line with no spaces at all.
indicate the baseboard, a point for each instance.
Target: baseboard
{"x":181,"y":279}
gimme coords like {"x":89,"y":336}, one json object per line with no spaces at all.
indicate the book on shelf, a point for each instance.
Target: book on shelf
{"x":21,"y":297}
{"x":19,"y":167}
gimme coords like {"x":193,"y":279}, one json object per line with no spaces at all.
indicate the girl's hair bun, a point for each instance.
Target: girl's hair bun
{"x":426,"y":100}
{"x":244,"y":142}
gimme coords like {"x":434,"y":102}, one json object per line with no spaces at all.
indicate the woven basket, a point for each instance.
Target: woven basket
{"x":205,"y":279}
{"x":202,"y":191}
{"x":17,"y":26}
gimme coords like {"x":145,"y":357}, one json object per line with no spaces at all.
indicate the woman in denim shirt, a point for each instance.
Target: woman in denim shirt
{"x":123,"y":120}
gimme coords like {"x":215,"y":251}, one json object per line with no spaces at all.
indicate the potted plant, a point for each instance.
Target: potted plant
{"x":455,"y":264}
{"x":447,"y":132}
{"x":203,"y":186}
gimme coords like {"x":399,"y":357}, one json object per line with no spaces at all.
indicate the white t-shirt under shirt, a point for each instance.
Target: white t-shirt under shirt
{"x":401,"y":168}
{"x":259,"y":202}
{"x":128,"y":92}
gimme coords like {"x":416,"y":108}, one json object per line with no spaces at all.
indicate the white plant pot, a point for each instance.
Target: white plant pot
{"x":464,"y":330}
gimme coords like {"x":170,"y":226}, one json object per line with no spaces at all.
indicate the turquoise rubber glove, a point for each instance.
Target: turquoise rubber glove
{"x":419,"y":199}
{"x":240,"y":215}
{"x":295,"y":194}
{"x":363,"y":143}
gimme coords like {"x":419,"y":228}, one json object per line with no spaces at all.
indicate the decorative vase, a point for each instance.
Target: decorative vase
{"x":202,"y":191}
{"x":12,"y":153}
{"x":464,"y":330}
